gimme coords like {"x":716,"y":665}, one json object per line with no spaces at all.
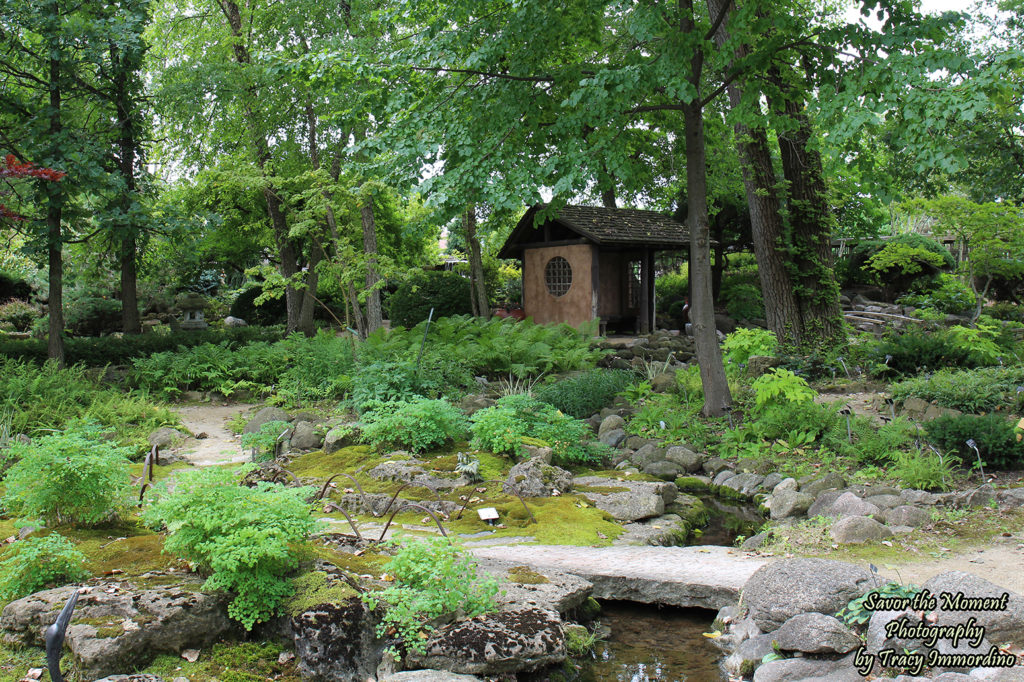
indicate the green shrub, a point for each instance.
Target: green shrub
{"x":270,"y":312}
{"x":12,"y":286}
{"x":1005,"y":311}
{"x":781,"y":386}
{"x":446,"y":292}
{"x":19,"y":315}
{"x":781,"y":420}
{"x":745,"y":342}
{"x":318,"y":368}
{"x":247,"y":539}
{"x":432,"y":579}
{"x":905,"y":262}
{"x":923,"y":470}
{"x":949,"y":294}
{"x":37,"y":563}
{"x":584,"y":394}
{"x":992,"y":433}
{"x":743,"y":301}
{"x":873,"y":445}
{"x":417,"y":425}
{"x":501,"y":429}
{"x":968,"y":390}
{"x":917,"y":350}
{"x":73,"y":476}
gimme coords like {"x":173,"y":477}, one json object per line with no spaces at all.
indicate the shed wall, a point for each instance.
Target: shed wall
{"x":580,"y":303}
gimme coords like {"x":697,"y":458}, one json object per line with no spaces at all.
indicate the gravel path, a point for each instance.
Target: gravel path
{"x":219,"y":445}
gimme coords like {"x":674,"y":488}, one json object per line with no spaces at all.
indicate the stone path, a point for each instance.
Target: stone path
{"x":220,"y":446}
{"x":706,"y":577}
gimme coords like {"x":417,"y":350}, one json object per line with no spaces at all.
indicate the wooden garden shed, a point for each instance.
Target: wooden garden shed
{"x":587,"y":263}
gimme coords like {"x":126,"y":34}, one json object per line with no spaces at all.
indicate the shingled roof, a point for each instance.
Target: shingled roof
{"x":605,"y":227}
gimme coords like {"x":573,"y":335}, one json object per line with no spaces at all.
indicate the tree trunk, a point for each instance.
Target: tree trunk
{"x":702,"y":312}
{"x":374,"y":317}
{"x":608,"y":197}
{"x":287,"y":251}
{"x":767,"y":230}
{"x":811,"y":224}
{"x":129,"y":288}
{"x":309,"y":294}
{"x":55,"y":242}
{"x":478,"y":290}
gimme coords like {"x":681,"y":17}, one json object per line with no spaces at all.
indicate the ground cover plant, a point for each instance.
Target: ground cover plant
{"x":581,"y":395}
{"x":36,"y":563}
{"x":970,"y":390}
{"x":36,"y":399}
{"x":432,"y":578}
{"x":417,"y":425}
{"x":73,"y":476}
{"x":245,"y":539}
{"x":502,"y":428}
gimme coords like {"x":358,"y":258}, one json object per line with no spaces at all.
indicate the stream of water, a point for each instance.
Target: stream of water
{"x":649,"y":643}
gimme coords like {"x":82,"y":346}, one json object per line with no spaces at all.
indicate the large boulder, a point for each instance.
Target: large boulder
{"x":512,"y":641}
{"x":627,"y":500}
{"x":164,"y":437}
{"x":265,"y":415}
{"x":306,"y":436}
{"x":815,"y":486}
{"x":781,"y":589}
{"x":745,"y":484}
{"x":816,"y":633}
{"x":117,"y":627}
{"x":849,"y":504}
{"x":612,"y":422}
{"x":789,"y":503}
{"x":340,"y":436}
{"x":534,"y":478}
{"x":334,"y":642}
{"x":1001,"y":624}
{"x":688,"y":460}
{"x":905,"y":515}
{"x":542,"y":588}
{"x":809,"y":670}
{"x":851,"y":530}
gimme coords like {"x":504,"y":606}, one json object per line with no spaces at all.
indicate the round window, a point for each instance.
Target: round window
{"x":558,"y":276}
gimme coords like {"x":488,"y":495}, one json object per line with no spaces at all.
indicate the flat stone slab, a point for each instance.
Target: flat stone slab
{"x":707,"y":577}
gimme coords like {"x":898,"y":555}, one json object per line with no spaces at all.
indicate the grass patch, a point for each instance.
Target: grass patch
{"x":950,"y":531}
{"x":16,"y":660}
{"x":229,"y":662}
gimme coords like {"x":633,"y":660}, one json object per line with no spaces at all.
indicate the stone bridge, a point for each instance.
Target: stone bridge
{"x":705,"y":577}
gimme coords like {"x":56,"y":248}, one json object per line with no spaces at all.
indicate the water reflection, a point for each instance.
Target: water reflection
{"x":649,"y":644}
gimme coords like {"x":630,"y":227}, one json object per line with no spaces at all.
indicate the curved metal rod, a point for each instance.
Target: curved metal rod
{"x":415,"y":506}
{"x":511,"y":487}
{"x":331,"y":505}
{"x":142,"y":492}
{"x":327,"y":483}
{"x":406,"y":485}
{"x":155,"y":453}
{"x":294,"y":477}
{"x":55,"y":638}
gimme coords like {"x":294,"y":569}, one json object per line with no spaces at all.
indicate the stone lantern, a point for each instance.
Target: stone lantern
{"x":192,"y":307}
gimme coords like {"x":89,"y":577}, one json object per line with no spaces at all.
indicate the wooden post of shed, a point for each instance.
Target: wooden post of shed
{"x":645,"y":293}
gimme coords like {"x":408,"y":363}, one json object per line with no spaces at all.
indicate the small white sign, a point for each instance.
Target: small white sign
{"x":487,"y":514}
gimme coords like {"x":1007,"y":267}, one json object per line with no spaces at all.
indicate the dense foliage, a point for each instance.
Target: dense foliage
{"x":418,"y":425}
{"x":502,"y":428}
{"x":432,"y":578}
{"x":38,"y":562}
{"x":246,"y":539}
{"x":72,"y":476}
{"x":445,"y":291}
{"x":581,"y":395}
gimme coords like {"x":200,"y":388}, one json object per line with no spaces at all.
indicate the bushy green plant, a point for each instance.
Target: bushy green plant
{"x":72,"y":476}
{"x":36,"y":563}
{"x":873,"y":445}
{"x":743,"y":300}
{"x":417,"y":425}
{"x":584,"y":394}
{"x":1005,"y":311}
{"x":781,"y":386}
{"x":992,"y":433}
{"x":915,"y":350}
{"x":501,"y":429}
{"x":948,"y":294}
{"x":922,"y":469}
{"x":968,"y":390}
{"x":781,"y":420}
{"x":979,"y":342}
{"x":432,"y":578}
{"x":264,"y":443}
{"x":741,"y":344}
{"x":17,"y":314}
{"x":246,"y":539}
{"x":904,"y":262}
{"x":270,"y":311}
{"x":446,"y":292}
